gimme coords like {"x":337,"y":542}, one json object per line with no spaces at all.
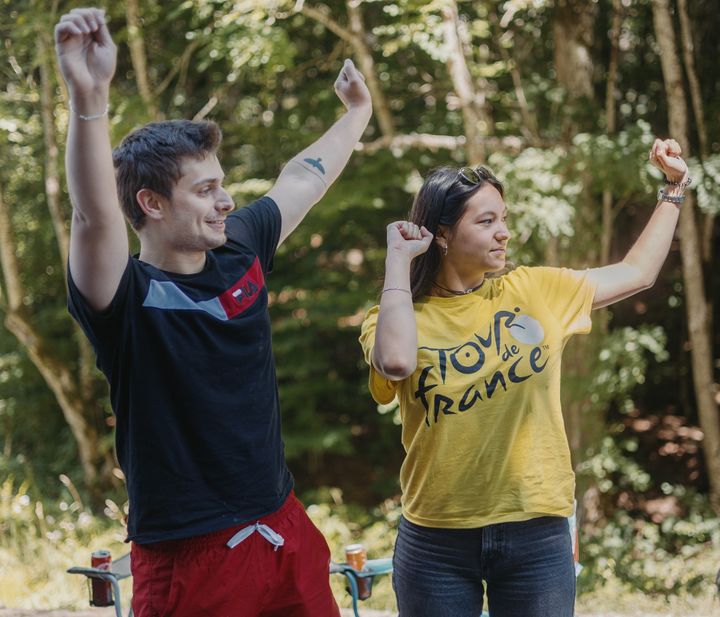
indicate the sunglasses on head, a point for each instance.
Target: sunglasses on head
{"x":474,"y":175}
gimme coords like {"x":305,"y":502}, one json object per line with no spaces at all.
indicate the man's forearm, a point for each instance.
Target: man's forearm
{"x":327,"y":157}
{"x":88,"y":159}
{"x":308,"y":175}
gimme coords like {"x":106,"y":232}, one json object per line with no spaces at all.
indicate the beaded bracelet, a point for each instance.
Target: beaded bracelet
{"x":91,"y":117}
{"x":680,"y":184}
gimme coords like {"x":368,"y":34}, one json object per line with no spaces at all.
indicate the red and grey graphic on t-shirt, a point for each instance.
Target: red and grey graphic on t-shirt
{"x":239,"y":297}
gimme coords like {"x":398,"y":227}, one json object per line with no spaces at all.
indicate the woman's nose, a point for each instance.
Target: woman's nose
{"x":504,"y":233}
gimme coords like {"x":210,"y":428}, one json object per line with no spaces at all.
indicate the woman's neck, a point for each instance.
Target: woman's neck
{"x":453,"y":284}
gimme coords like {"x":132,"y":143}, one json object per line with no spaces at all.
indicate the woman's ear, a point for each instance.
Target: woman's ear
{"x":150,"y":203}
{"x":441,"y":238}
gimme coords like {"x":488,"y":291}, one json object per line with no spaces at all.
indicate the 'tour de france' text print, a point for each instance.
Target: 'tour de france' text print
{"x":518,"y":364}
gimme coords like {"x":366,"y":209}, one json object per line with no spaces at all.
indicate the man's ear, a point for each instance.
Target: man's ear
{"x":152,"y":204}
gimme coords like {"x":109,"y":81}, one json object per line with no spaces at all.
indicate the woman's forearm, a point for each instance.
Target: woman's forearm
{"x":395,"y":351}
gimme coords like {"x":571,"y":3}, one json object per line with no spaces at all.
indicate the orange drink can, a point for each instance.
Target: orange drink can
{"x":356,"y":558}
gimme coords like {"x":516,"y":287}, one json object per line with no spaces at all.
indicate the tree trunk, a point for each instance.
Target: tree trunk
{"x":529,"y":124}
{"x":138,"y":56}
{"x":357,"y":38}
{"x":52,"y":194}
{"x":693,"y":81}
{"x":573,"y":38}
{"x":474,"y":123}
{"x":573,"y":26}
{"x":52,"y":167}
{"x":695,"y":299}
{"x":96,"y":465}
{"x":367,"y":68}
{"x":611,"y":121}
{"x":697,"y":104}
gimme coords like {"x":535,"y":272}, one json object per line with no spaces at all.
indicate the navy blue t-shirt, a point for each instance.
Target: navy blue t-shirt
{"x":193,"y":386}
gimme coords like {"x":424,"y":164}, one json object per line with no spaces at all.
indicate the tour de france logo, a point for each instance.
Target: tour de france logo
{"x":508,"y":337}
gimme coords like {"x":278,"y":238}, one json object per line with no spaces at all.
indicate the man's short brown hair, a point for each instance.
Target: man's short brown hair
{"x":151,"y":157}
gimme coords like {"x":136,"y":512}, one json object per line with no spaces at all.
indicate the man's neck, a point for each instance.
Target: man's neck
{"x":176,"y":262}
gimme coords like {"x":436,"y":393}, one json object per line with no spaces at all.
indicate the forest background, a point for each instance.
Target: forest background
{"x":561,"y":99}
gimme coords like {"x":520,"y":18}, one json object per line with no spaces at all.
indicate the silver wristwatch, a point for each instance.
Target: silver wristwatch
{"x":673,"y":199}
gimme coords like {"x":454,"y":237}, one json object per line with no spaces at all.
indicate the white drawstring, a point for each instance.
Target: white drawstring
{"x":266,"y":532}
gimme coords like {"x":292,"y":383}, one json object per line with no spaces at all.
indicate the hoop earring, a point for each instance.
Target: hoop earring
{"x":444,"y":250}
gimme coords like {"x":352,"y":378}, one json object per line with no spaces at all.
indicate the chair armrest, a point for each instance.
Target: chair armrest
{"x":373,"y":567}
{"x":104,"y":575}
{"x":119,"y":569}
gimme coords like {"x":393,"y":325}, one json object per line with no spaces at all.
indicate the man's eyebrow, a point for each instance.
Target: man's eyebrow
{"x":208,"y":180}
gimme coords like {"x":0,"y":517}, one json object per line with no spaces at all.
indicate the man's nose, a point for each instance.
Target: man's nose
{"x":224,"y":202}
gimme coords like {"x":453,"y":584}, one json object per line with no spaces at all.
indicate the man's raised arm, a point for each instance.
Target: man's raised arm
{"x":98,"y":238}
{"x":307,"y":176}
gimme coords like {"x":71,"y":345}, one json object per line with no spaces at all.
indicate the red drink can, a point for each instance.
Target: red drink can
{"x":356,"y":558}
{"x":101,"y":591}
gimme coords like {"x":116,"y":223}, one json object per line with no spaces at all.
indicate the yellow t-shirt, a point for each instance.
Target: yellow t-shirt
{"x":482,"y":426}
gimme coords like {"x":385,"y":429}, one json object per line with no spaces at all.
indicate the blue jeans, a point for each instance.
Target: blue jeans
{"x":528,"y":569}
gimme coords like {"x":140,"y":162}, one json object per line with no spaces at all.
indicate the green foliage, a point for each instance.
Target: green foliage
{"x":706,"y":181}
{"x":540,"y":199}
{"x":663,"y":539}
{"x":264,"y":72}
{"x":651,"y":535}
{"x":623,"y":364}
{"x":611,"y":468}
{"x":675,"y":557}
{"x":617,"y":162}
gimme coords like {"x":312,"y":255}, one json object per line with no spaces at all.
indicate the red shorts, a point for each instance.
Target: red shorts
{"x":201,"y":576}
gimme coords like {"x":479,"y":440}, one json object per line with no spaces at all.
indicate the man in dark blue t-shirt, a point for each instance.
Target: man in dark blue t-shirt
{"x":182,"y":333}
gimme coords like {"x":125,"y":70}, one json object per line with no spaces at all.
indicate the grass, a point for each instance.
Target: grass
{"x":39,"y":542}
{"x":615,"y":598}
{"x":38,"y":546}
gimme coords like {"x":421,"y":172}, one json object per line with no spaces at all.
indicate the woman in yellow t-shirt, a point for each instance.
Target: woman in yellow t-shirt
{"x":475,"y":363}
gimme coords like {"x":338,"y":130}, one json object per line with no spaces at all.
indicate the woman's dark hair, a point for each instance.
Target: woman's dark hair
{"x":151,"y":158}
{"x":442,"y":200}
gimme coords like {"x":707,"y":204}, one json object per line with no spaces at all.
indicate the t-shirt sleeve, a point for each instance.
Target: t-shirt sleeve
{"x":257,"y":226}
{"x":569,"y":297}
{"x":382,"y":389}
{"x":104,"y":328}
